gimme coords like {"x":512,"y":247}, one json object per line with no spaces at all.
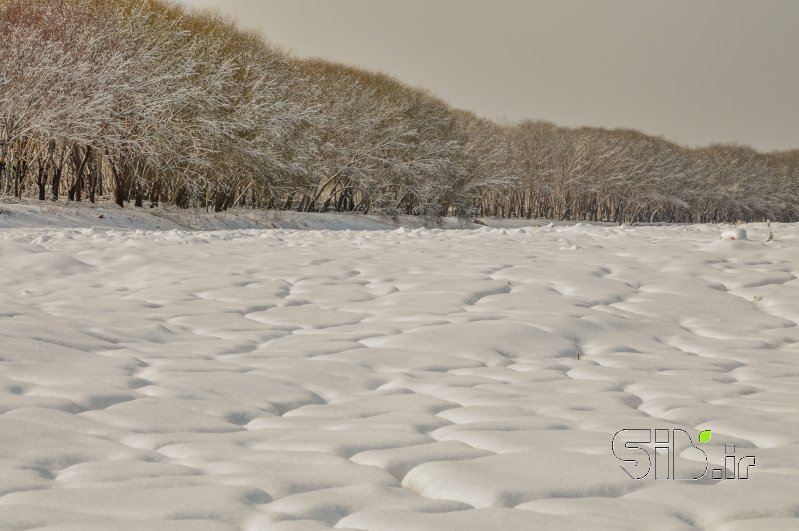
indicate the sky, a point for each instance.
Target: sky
{"x":693,"y":71}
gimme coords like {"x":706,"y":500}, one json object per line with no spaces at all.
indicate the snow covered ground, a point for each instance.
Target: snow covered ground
{"x":391,"y":379}
{"x":105,"y":214}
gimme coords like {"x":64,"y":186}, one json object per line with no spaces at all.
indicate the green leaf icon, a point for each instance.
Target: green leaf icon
{"x":705,"y":436}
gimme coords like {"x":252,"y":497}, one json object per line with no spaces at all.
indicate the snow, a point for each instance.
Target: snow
{"x":734,"y":234}
{"x":382,"y":378}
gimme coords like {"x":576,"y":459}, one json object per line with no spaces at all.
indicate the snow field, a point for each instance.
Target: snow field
{"x":375,"y":380}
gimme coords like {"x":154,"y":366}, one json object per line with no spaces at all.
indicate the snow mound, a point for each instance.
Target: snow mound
{"x":734,"y":234}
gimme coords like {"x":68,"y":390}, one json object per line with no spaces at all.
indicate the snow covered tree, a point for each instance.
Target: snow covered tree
{"x":143,"y":101}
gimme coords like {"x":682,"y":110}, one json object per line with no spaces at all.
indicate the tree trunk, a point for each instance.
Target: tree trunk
{"x":94,"y":174}
{"x":56,"y":183}
{"x":76,"y":189}
{"x":289,"y":201}
{"x":139,"y":197}
{"x":20,"y":169}
{"x":41,"y":180}
{"x":155,"y":193}
{"x":120,"y":194}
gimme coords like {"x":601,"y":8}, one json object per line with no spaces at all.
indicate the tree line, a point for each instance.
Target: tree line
{"x":148,"y":103}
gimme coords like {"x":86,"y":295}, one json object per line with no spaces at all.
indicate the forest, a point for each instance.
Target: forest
{"x":148,"y":103}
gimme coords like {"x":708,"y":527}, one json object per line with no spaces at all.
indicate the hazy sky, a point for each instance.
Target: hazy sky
{"x":694,"y":71}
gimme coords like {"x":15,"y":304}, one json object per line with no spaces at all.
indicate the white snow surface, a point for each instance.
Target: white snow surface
{"x":734,"y":234}
{"x":392,"y":379}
